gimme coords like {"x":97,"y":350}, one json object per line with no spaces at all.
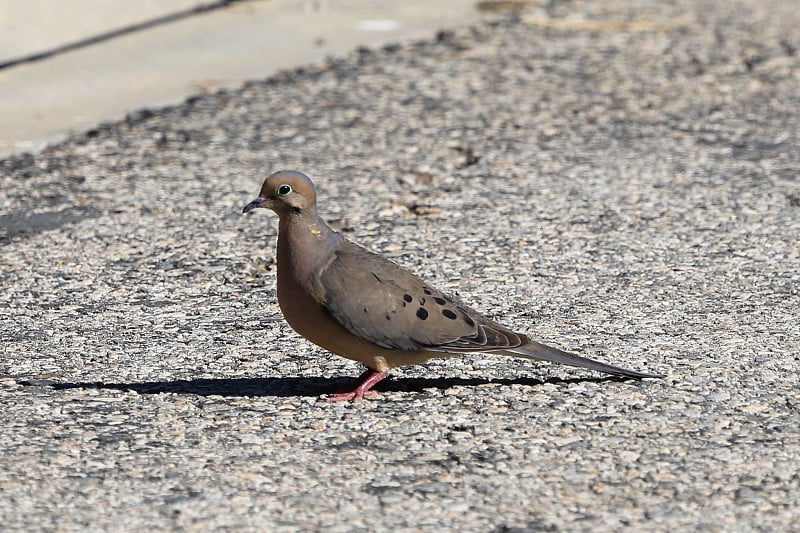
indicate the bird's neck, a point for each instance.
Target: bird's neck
{"x":305,"y":242}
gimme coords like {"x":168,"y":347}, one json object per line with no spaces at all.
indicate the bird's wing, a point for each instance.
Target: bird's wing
{"x":378,"y":301}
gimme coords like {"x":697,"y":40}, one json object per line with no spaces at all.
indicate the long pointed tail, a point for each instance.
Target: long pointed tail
{"x":535,"y":350}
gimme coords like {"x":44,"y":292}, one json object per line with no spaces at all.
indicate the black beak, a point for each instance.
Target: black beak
{"x":252,"y":205}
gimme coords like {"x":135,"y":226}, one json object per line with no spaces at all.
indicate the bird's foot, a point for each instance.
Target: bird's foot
{"x":366,"y":381}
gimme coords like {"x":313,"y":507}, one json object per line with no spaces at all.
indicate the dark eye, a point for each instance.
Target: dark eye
{"x":283,"y":190}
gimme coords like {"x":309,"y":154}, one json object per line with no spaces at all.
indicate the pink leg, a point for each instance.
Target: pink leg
{"x":366,"y":381}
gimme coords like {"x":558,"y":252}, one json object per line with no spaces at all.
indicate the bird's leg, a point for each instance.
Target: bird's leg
{"x":366,"y":381}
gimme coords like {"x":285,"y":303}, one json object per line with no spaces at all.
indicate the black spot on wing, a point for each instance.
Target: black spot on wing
{"x":449,"y":314}
{"x":438,"y":300}
{"x":422,"y":314}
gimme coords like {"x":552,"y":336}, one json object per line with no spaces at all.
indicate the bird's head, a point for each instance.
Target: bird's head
{"x":285,"y":192}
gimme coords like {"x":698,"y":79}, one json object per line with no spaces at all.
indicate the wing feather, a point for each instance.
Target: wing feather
{"x":376,"y":300}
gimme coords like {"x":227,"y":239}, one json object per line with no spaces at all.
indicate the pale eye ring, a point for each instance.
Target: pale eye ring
{"x":283,"y":189}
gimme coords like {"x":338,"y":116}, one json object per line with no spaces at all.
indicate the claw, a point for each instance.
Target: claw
{"x":366,"y":381}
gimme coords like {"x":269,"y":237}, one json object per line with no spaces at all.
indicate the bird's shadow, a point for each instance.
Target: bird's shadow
{"x":306,"y":386}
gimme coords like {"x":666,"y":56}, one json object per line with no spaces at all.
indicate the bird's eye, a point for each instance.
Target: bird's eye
{"x":283,"y":190}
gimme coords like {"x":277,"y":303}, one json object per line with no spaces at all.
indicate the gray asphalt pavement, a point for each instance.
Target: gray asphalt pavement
{"x":619,"y":179}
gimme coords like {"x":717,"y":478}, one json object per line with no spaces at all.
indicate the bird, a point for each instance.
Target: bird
{"x":362,"y":306}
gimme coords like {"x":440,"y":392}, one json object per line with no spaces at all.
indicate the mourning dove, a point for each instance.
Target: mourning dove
{"x":362,"y":306}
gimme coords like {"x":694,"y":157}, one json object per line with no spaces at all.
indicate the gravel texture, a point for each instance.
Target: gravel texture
{"x":616,"y":178}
